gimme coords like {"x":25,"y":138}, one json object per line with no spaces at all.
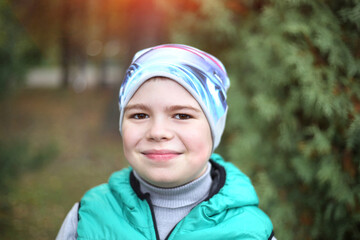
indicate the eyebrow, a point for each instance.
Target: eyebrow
{"x":136,"y":106}
{"x":170,"y":108}
{"x":182,"y":107}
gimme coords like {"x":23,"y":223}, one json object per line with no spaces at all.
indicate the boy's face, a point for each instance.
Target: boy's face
{"x":166,"y":136}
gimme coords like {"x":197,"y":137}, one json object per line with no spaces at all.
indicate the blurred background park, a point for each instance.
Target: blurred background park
{"x":293,"y":124}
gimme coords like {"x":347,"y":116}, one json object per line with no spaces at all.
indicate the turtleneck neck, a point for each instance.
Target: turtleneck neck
{"x":172,"y":204}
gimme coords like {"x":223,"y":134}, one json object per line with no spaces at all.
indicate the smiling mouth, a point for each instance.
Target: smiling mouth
{"x":161,"y":155}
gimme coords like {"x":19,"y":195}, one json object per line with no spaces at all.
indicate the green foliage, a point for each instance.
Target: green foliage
{"x":17,"y":158}
{"x":17,"y":52}
{"x":294,"y":117}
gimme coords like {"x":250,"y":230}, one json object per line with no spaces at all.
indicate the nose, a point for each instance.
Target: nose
{"x":159,"y":130}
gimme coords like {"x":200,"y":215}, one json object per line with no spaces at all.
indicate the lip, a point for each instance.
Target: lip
{"x":160,"y":155}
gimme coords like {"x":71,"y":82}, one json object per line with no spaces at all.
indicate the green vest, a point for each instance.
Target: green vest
{"x":118,"y":210}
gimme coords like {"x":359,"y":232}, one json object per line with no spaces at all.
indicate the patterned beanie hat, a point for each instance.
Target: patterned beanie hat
{"x":200,"y":73}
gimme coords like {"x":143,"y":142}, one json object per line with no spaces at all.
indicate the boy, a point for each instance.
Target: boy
{"x":172,"y":115}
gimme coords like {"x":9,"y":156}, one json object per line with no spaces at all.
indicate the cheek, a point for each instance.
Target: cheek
{"x":129,"y":138}
{"x":126,"y":142}
{"x":199,"y":140}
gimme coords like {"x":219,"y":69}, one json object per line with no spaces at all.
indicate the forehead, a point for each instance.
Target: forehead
{"x":164,"y":90}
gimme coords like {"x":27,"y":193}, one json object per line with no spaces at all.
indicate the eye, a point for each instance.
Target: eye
{"x":139,"y":116}
{"x":182,"y":116}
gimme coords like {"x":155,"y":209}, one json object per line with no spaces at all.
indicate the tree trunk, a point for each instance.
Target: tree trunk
{"x":65,"y":45}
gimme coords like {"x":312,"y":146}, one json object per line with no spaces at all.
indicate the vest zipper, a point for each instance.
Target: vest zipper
{"x":167,"y":237}
{"x":148,"y":200}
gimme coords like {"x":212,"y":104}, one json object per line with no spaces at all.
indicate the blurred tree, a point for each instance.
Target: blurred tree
{"x":294,"y":119}
{"x":82,"y":30}
{"x":58,"y":25}
{"x":16,"y":158}
{"x":17,"y":51}
{"x":146,"y":25}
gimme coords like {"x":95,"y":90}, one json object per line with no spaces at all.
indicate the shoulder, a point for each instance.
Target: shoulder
{"x":118,"y":181}
{"x":118,"y":192}
{"x":255,"y":220}
{"x":68,"y":229}
{"x":237,"y":187}
{"x":98,"y":191}
{"x":239,"y":200}
{"x":96,"y":197}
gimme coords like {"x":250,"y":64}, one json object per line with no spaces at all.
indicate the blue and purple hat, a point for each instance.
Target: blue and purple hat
{"x":200,"y":73}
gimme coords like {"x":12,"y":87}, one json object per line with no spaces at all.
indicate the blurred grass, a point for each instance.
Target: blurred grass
{"x":81,"y":132}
